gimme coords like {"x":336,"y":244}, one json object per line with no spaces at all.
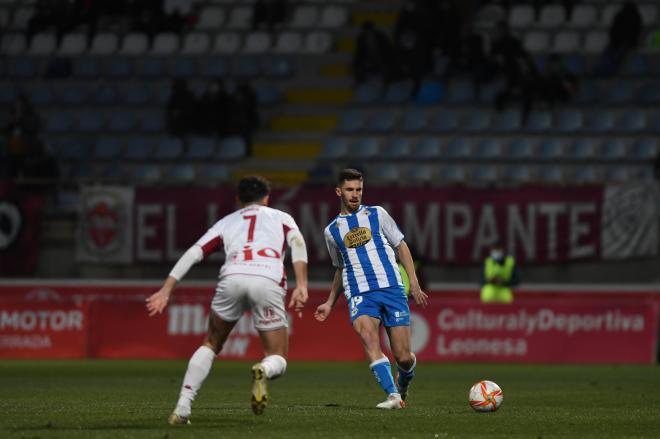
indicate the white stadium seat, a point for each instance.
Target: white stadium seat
{"x":211,"y":18}
{"x":13,"y":44}
{"x":333,"y":16}
{"x":227,"y":42}
{"x":21,"y":18}
{"x":104,"y":44}
{"x":134,"y":44}
{"x":288,"y":42}
{"x":305,"y":17}
{"x":195,"y":43}
{"x":595,"y":42}
{"x":165,"y":44}
{"x":43,"y":44}
{"x":73,"y":44}
{"x":566,"y":42}
{"x":257,"y":42}
{"x":583,"y":16}
{"x":521,"y":16}
{"x":537,"y":41}
{"x":552,"y":16}
{"x":317,"y":42}
{"x":240,"y":18}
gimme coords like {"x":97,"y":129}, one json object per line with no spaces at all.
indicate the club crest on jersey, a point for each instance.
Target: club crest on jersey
{"x":357,"y":237}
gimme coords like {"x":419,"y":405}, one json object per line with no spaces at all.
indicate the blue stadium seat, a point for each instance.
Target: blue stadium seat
{"x":520,"y":149}
{"x":419,"y":174}
{"x":443,"y":121}
{"x":214,"y":67}
{"x":106,"y":94}
{"x":488,"y":91}
{"x":427,"y":148}
{"x":385,"y":173}
{"x":168,"y":148}
{"x":367,"y":92}
{"x":613,"y":149}
{"x":334,"y":148}
{"x":118,"y":67}
{"x":645,"y":174}
{"x":582,"y":149}
{"x":121,"y":121}
{"x":649,"y":92}
{"x":86,"y":68}
{"x":214,"y":172}
{"x":484,"y":174}
{"x":138,"y":148}
{"x":600,"y":121}
{"x":107,"y":148}
{"x":23,"y":68}
{"x":152,"y":121}
{"x":550,"y":149}
{"x":430,"y":93}
{"x":506,"y":121}
{"x":617,"y":174}
{"x":200,"y":148}
{"x":183,"y":68}
{"x":460,"y":92}
{"x":539,"y":121}
{"x":151,"y":68}
{"x":644,"y":149}
{"x":365,"y":148}
{"x":476,"y":121}
{"x":569,"y":120}
{"x":80,"y":171}
{"x":72,"y":149}
{"x":452,"y":174}
{"x":382,"y":121}
{"x":520,"y":174}
{"x":458,"y":148}
{"x":635,"y":65}
{"x":41,"y":94}
{"x":585,"y":174}
{"x":619,"y":92}
{"x":587,"y":93}
{"x":147,"y":173}
{"x":115,"y":171}
{"x":231,"y":148}
{"x":551,"y":174}
{"x":488,"y":149}
{"x":73,"y":94}
{"x":352,"y":121}
{"x":90,"y":121}
{"x":180,"y":173}
{"x":137,"y":94}
{"x":396,"y":148}
{"x":414,"y":121}
{"x":398,"y":92}
{"x":58,"y":122}
{"x":279,"y":67}
{"x":634,"y":120}
{"x":267,"y":93}
{"x":247,"y":66}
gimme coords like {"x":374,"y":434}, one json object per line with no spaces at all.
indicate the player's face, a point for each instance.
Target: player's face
{"x":350,"y":193}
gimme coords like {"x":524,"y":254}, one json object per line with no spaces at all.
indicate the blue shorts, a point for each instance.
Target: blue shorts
{"x":389,"y":305}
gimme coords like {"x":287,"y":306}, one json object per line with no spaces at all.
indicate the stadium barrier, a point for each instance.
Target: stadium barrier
{"x":109,"y":321}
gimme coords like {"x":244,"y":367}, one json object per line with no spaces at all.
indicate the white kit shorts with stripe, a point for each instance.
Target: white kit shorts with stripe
{"x":237,"y":293}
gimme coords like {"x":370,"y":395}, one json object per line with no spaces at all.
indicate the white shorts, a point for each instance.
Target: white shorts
{"x":237,"y":293}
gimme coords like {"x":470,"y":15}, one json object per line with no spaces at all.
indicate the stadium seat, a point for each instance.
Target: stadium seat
{"x":521,"y":16}
{"x":454,"y":174}
{"x":231,"y":148}
{"x":152,"y":122}
{"x":582,"y":149}
{"x":257,"y":43}
{"x":458,"y":148}
{"x":520,"y":149}
{"x":211,"y":18}
{"x":519,"y":174}
{"x":267,"y":93}
{"x":644,"y":149}
{"x":138,"y":148}
{"x":506,"y":121}
{"x":134,"y":44}
{"x":333,"y":16}
{"x":165,"y":44}
{"x":288,"y":42}
{"x":551,"y":16}
{"x":118,"y":67}
{"x":104,"y":44}
{"x":73,"y":94}
{"x":72,"y":44}
{"x":539,"y":121}
{"x":278,"y":67}
{"x":213,"y":67}
{"x":183,"y":67}
{"x":136,"y":94}
{"x":613,"y":149}
{"x":608,"y":12}
{"x":385,"y":173}
{"x":43,"y":44}
{"x":583,"y":16}
{"x":72,"y":150}
{"x":41,"y":94}
{"x":595,"y":42}
{"x":105,"y":94}
{"x":365,"y":148}
{"x":107,"y":148}
{"x":566,"y":42}
{"x":13,"y":44}
{"x":426,"y":148}
{"x":443,"y":121}
{"x":367,"y":92}
{"x":168,"y":149}
{"x":419,"y":174}
{"x":147,"y":173}
{"x":488,"y":149}
{"x":86,"y":68}
{"x":430,"y":93}
{"x":214,"y":172}
{"x":476,"y":121}
{"x":636,"y":65}
{"x":633,"y":120}
{"x":550,"y":149}
{"x":551,"y":174}
{"x":21,"y":18}
{"x":121,"y":121}
{"x":240,"y":17}
{"x":305,"y":16}
{"x":617,"y":174}
{"x":334,"y":148}
{"x":352,"y":121}
{"x":317,"y":42}
{"x":536,"y":41}
{"x":115,"y":171}
{"x":227,"y":42}
{"x":398,"y":92}
{"x":200,"y":148}
{"x":413,"y":121}
{"x":569,"y":120}
{"x":247,"y":66}
{"x":460,"y":91}
{"x":180,"y":173}
{"x":184,"y":7}
{"x":600,"y":120}
{"x":620,"y":92}
{"x":89,"y":121}
{"x":584,"y":175}
{"x":396,"y":148}
{"x":23,"y":68}
{"x":195,"y":43}
{"x":382,"y":121}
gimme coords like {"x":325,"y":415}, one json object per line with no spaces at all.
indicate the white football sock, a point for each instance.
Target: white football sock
{"x":274,"y":365}
{"x":199,"y":367}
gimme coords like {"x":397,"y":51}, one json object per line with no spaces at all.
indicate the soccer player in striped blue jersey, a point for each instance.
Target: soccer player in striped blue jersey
{"x":364,"y":242}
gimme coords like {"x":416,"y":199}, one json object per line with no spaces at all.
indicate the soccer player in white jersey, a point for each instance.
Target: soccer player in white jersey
{"x":252,"y":277}
{"x":362,"y":241}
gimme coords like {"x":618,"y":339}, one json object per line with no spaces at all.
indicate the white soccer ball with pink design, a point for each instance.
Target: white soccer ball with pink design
{"x":485,"y":396}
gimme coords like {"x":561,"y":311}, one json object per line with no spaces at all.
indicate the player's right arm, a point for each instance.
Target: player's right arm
{"x":323,"y":310}
{"x":208,"y":243}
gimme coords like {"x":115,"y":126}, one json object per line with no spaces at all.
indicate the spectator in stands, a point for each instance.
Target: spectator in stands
{"x":498,"y":276}
{"x":246,"y":100}
{"x":415,"y":16}
{"x":559,"y":84}
{"x":624,"y":37}
{"x":447,"y":28}
{"x":269,"y":13}
{"x":470,"y":59}
{"x":180,"y":109}
{"x":56,"y":14}
{"x":212,"y":109}
{"x":414,"y":55}
{"x":373,"y":54}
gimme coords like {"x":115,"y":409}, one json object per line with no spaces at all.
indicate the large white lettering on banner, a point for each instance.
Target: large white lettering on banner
{"x":105,"y":225}
{"x":630,"y":221}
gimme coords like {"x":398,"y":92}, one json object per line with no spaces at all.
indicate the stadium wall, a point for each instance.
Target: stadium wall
{"x":551,"y":324}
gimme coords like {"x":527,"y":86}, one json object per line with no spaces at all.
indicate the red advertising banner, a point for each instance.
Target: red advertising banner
{"x":20,"y":220}
{"x":43,"y":330}
{"x":455,"y":225}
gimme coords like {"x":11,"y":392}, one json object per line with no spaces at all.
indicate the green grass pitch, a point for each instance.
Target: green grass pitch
{"x":132,"y":399}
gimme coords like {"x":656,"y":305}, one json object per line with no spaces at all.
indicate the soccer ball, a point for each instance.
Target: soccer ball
{"x":485,"y":396}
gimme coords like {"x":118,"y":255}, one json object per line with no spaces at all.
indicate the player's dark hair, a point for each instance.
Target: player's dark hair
{"x":348,"y":174}
{"x":252,"y":188}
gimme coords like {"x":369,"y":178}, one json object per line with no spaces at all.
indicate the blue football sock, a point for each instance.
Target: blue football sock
{"x":406,"y":376}
{"x":383,"y":373}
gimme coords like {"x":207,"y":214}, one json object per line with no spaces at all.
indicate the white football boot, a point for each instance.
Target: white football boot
{"x":259,"y":389}
{"x":393,"y":402}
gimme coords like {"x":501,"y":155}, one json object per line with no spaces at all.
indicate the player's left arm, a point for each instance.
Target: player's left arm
{"x":298,"y":247}
{"x":420,"y":297}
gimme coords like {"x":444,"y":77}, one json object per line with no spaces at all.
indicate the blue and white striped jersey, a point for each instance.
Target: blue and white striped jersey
{"x":362,"y":243}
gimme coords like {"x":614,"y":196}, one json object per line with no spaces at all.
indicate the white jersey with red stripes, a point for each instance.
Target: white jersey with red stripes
{"x":254,"y":240}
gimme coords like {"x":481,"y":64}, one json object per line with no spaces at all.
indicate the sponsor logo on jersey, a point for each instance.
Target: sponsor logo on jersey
{"x":357,"y":237}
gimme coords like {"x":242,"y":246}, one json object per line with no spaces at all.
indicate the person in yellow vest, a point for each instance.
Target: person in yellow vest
{"x":499,"y":276}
